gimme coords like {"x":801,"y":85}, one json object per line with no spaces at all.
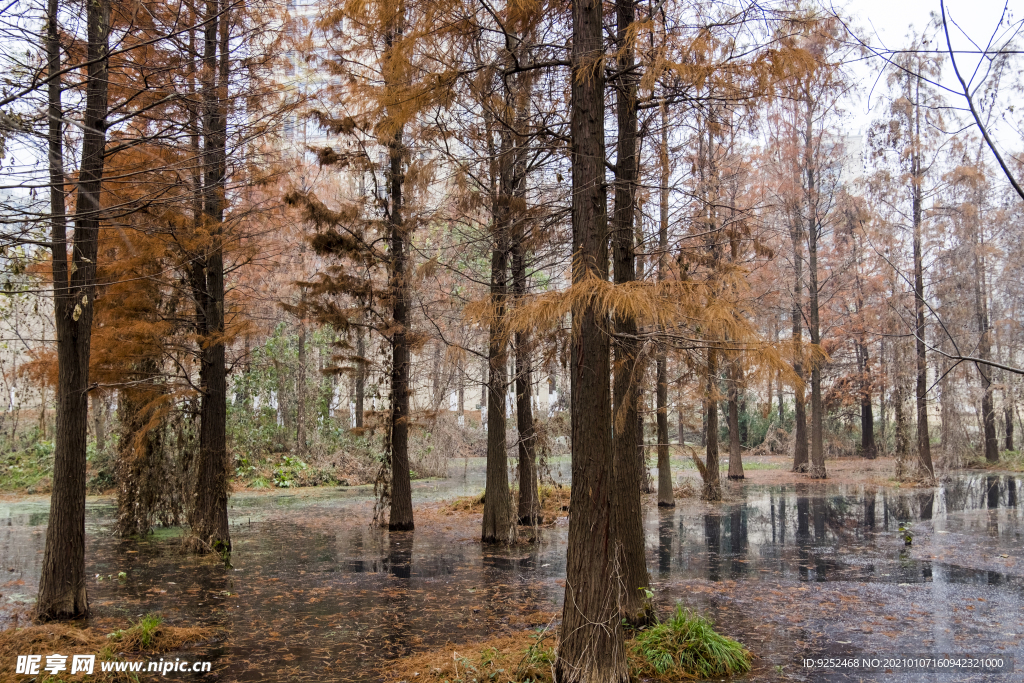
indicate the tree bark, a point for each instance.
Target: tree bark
{"x":208,"y":516}
{"x":712,"y":490}
{"x":62,"y":588}
{"x":360,"y":378}
{"x":924,"y":449}
{"x":735,"y":445}
{"x":300,"y":391}
{"x":1008,"y":417}
{"x":868,"y":449}
{"x":99,"y":419}
{"x":499,"y":518}
{"x":817,"y":468}
{"x":400,"y":517}
{"x":529,"y":500}
{"x":801,"y":459}
{"x":988,"y":413}
{"x":666,"y":497}
{"x":591,"y":648}
{"x":628,"y":464}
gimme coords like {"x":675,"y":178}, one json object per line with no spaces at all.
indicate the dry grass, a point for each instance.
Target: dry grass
{"x":152,"y":635}
{"x":47,"y":639}
{"x":687,"y":488}
{"x":528,"y":655}
{"x":554,"y":503}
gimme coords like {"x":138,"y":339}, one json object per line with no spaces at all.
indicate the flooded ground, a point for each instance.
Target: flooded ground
{"x":790,"y":570}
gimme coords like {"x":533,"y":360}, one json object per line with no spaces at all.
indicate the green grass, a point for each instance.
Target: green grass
{"x":687,"y":464}
{"x":142,"y":632}
{"x":27,"y":467}
{"x":1012,"y":461}
{"x":685,"y":646}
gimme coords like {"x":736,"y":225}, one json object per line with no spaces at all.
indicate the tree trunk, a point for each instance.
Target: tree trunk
{"x":284,"y":415}
{"x":988,"y":412}
{"x":529,"y":501}
{"x":666,"y":497}
{"x":209,"y":512}
{"x":62,"y":588}
{"x":712,"y":490}
{"x":801,"y":460}
{"x":924,"y":449}
{"x":300,"y":392}
{"x":681,"y":427}
{"x":735,"y":446}
{"x":591,"y":647}
{"x":628,"y":464}
{"x":499,"y":518}
{"x":99,"y":419}
{"x":1008,"y":417}
{"x":817,"y":468}
{"x":400,"y":517}
{"x":782,"y":405}
{"x":360,"y":379}
{"x":867,"y":419}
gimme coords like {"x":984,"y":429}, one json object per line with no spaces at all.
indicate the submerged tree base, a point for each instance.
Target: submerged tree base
{"x":711,"y":492}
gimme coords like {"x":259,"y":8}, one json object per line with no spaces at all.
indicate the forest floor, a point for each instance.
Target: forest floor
{"x":788,"y":566}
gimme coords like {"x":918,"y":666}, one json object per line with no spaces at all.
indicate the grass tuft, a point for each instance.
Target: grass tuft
{"x":150,"y":634}
{"x":685,"y":646}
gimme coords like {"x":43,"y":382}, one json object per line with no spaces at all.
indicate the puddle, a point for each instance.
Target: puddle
{"x":313,"y":593}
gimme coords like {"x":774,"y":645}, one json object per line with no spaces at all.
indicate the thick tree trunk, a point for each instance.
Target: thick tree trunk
{"x":628,"y":465}
{"x":400,"y":517}
{"x":62,"y":588}
{"x":208,"y":516}
{"x":498,"y":521}
{"x":591,"y":648}
{"x":499,"y":517}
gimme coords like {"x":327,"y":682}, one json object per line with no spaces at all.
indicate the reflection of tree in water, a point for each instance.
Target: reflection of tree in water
{"x":1011,"y":492}
{"x":803,"y":531}
{"x":926,"y":505}
{"x":992,"y":492}
{"x":738,"y":542}
{"x":665,"y":519}
{"x":713,"y":540}
{"x":398,"y":564}
{"x":869,"y":511}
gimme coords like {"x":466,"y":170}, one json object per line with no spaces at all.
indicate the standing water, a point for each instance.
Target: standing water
{"x":806,"y":570}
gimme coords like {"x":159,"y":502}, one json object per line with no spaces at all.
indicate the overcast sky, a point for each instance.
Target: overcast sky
{"x":885,"y":22}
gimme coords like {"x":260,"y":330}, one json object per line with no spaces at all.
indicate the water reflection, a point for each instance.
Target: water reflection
{"x":331,"y":591}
